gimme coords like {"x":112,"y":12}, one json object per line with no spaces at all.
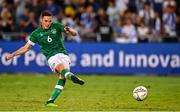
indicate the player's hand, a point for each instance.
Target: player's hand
{"x":70,"y":31}
{"x":9,"y":56}
{"x":67,"y":28}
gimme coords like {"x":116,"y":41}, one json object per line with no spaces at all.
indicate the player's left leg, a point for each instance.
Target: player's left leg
{"x":71,"y":76}
{"x":68,"y":75}
{"x":57,"y":91}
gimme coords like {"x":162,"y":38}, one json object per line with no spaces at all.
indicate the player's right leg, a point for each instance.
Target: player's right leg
{"x":56,"y":91}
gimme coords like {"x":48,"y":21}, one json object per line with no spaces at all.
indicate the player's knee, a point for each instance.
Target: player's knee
{"x":59,"y":68}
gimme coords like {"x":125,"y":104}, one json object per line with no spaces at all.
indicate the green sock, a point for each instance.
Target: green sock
{"x":57,"y":90}
{"x":67,"y":74}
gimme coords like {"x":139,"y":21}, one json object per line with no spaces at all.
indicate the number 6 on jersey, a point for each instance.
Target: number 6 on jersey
{"x":49,"y":39}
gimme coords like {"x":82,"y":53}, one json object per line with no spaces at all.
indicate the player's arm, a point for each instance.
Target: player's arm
{"x":20,"y":51}
{"x":70,"y":31}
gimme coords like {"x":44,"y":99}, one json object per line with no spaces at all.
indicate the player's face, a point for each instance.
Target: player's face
{"x":46,"y":22}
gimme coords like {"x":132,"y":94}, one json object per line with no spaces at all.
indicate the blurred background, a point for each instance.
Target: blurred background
{"x":117,"y":25}
{"x":127,"y":21}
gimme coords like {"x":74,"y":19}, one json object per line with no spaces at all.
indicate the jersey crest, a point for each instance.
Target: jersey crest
{"x":41,"y":34}
{"x":53,"y":31}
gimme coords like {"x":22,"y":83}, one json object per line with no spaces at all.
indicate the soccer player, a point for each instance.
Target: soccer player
{"x":49,"y":37}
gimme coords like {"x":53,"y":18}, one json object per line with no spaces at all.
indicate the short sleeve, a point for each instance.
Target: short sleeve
{"x":32,"y":38}
{"x":60,"y":26}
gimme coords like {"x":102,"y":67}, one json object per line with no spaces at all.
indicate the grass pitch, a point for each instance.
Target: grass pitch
{"x":100,"y":93}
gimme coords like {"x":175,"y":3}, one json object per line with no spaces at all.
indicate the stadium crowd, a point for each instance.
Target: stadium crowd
{"x":120,"y":21}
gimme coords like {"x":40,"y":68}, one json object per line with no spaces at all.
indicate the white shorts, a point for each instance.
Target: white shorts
{"x":57,"y":59}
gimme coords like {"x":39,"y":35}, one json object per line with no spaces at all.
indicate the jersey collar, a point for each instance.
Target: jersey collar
{"x":45,"y":29}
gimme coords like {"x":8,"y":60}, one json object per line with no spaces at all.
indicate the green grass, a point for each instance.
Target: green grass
{"x":100,"y":93}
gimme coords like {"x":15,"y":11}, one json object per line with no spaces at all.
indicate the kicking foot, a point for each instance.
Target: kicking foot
{"x":77,"y":80}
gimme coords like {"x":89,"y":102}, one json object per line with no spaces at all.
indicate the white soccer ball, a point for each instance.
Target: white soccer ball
{"x":140,"y":93}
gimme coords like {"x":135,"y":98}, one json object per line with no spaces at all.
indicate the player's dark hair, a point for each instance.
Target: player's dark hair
{"x":45,"y":13}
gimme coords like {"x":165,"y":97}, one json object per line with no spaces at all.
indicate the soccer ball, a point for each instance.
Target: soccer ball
{"x":140,"y":93}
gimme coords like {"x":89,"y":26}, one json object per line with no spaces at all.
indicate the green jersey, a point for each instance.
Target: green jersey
{"x":50,"y":40}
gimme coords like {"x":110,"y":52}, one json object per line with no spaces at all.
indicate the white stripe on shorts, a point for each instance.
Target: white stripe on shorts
{"x":59,"y":87}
